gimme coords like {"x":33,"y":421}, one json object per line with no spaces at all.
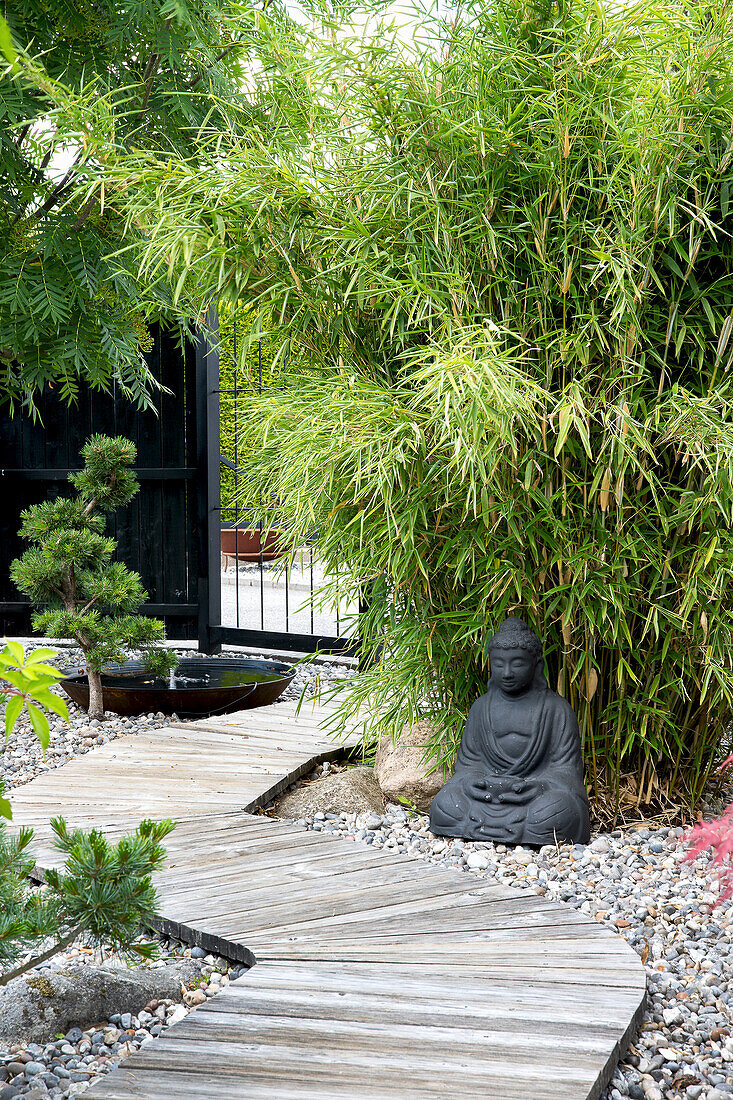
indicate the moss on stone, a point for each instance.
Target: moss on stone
{"x":43,"y":985}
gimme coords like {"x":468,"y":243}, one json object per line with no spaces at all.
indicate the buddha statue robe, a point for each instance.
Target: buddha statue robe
{"x":518,"y":780}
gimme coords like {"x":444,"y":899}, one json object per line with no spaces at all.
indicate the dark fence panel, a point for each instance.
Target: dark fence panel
{"x":159,"y":534}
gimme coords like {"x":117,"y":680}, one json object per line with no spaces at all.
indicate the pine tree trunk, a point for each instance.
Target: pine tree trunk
{"x":96,"y":704}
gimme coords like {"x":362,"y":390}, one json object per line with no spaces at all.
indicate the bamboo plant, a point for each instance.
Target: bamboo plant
{"x":508,"y":251}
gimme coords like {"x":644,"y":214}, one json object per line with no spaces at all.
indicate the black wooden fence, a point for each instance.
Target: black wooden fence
{"x":170,"y":533}
{"x":163,"y":533}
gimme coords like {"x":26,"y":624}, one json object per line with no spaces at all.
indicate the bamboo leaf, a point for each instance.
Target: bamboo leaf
{"x":6,"y":43}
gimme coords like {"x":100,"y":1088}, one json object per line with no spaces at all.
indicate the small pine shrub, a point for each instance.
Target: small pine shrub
{"x":69,"y":569}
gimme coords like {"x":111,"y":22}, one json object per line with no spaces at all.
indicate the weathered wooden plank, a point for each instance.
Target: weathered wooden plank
{"x":352,"y":880}
{"x":354,"y":1020}
{"x":412,"y":1072}
{"x":279,"y":1084}
{"x":599,"y":975}
{"x":498,"y":923}
{"x":459,"y":947}
{"x":358,"y":908}
{"x":357,"y":1049}
{"x":499,"y":1008}
{"x":368,"y":978}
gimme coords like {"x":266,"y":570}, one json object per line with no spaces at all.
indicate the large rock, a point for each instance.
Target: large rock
{"x":353,"y":791}
{"x":39,"y":1005}
{"x":401,"y":769}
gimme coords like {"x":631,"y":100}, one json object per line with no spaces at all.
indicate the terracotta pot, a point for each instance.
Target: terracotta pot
{"x":246,"y":544}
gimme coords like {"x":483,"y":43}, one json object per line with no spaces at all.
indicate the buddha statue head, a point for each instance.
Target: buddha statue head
{"x":515,"y":653}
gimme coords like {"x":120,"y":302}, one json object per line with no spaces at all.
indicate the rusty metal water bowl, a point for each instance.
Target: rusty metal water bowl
{"x":200,"y":687}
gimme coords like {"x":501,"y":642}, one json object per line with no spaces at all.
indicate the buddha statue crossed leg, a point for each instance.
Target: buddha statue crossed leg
{"x":519,"y":771}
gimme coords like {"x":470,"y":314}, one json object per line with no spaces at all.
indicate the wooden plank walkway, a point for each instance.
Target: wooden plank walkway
{"x":377,"y":976}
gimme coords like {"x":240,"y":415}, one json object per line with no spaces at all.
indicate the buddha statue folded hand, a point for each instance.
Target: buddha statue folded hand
{"x":519,"y":771}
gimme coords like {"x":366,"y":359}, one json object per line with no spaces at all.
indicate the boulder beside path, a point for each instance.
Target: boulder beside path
{"x":40,"y":1005}
{"x":402,"y":771}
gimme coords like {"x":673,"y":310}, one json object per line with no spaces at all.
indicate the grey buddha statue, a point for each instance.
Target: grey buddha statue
{"x":519,"y":771}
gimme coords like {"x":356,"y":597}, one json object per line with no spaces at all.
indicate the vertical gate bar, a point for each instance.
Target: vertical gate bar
{"x":236,"y":466}
{"x":367,"y":660}
{"x":287,"y":602}
{"x":338,"y":595}
{"x":259,"y":524}
{"x":310,"y":554}
{"x":310,"y":540}
{"x":208,"y":450}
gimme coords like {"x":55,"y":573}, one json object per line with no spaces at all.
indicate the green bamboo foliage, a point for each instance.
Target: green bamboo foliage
{"x":242,"y":362}
{"x":511,"y":258}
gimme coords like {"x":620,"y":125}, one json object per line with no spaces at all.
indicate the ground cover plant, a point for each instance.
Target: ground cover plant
{"x":104,"y":892}
{"x":508,"y":253}
{"x":69,"y":570}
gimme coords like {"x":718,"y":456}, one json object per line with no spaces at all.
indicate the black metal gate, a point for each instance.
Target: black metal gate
{"x":255,"y":601}
{"x":160,"y":534}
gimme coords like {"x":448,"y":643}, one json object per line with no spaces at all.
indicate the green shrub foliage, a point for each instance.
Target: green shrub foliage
{"x":69,"y":569}
{"x":68,"y":314}
{"x":104,"y":893}
{"x":510,"y":255}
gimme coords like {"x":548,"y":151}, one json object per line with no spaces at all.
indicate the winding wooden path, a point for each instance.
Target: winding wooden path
{"x":379,"y":976}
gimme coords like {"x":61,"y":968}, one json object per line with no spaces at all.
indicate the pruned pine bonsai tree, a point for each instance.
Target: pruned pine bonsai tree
{"x":104,"y":893}
{"x":69,"y":568}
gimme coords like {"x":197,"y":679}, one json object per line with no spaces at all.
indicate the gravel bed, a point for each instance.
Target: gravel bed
{"x":635,"y":882}
{"x":69,"y":1064}
{"x":632,"y":880}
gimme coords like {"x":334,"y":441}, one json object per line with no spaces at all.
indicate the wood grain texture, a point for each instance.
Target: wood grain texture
{"x":379,"y":976}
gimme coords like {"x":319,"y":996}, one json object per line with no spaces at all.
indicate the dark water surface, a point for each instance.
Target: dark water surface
{"x":214,"y":679}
